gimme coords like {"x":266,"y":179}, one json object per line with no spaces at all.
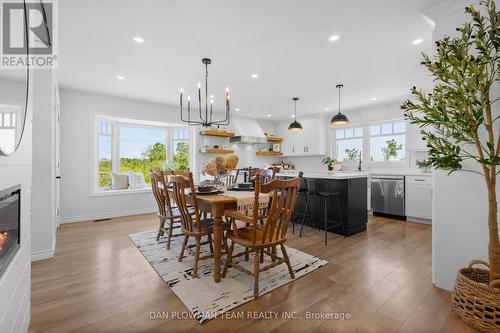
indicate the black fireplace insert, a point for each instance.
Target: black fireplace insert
{"x":10,"y":225}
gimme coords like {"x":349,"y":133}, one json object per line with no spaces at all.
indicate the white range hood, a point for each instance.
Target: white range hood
{"x":247,"y":131}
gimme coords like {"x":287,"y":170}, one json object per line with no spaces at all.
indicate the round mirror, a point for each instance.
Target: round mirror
{"x":14,"y":85}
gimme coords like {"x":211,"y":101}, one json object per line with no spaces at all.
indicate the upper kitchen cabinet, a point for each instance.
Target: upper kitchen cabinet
{"x":311,"y":141}
{"x":415,"y":142}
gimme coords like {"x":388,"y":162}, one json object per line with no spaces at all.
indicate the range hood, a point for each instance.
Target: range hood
{"x":247,"y":131}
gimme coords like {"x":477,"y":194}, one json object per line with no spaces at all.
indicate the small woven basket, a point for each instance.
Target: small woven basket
{"x":476,"y":300}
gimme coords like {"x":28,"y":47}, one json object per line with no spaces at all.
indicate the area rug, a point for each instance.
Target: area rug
{"x":204,"y":298}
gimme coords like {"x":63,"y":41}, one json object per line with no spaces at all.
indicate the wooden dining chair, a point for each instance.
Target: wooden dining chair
{"x":260,"y":238}
{"x":194,"y":225}
{"x":231,"y":178}
{"x":167,"y":213}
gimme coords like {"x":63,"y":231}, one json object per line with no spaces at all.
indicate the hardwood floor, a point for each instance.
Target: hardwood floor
{"x":99,"y":282}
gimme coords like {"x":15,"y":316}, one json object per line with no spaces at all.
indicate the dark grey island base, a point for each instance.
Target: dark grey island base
{"x":353,"y":203}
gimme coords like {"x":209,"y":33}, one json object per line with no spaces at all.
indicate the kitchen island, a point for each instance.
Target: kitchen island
{"x":353,"y":187}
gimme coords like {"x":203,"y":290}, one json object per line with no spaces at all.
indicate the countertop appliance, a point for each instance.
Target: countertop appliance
{"x":388,"y":195}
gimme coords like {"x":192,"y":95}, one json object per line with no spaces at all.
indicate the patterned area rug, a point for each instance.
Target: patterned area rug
{"x":202,"y":296}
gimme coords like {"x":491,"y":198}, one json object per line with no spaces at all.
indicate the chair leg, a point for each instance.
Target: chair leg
{"x":160,"y":230}
{"x":304,"y":216}
{"x":229,"y":259}
{"x":184,"y":244}
{"x":170,"y":228}
{"x":196,"y":257}
{"x":256,"y":275}
{"x":273,"y":251}
{"x":210,"y":243}
{"x":325,"y":203}
{"x":247,"y":254}
{"x":341,"y":219}
{"x":262,"y":255}
{"x":287,"y":260}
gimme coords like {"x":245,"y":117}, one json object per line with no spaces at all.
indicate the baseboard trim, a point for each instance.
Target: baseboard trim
{"x":42,"y":255}
{"x":108,"y":215}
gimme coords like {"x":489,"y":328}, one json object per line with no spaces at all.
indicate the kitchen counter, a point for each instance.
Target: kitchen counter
{"x":353,"y":174}
{"x":352,"y":186}
{"x":325,"y":174}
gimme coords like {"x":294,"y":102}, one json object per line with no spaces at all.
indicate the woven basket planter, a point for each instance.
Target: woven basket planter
{"x":476,"y":300}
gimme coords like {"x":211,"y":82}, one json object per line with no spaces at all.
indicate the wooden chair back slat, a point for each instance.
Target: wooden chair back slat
{"x":158,"y":193}
{"x":180,"y":185}
{"x":232,"y":178}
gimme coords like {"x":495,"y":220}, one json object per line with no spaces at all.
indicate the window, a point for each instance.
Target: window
{"x":8,"y":130}
{"x":104,"y":153}
{"x":134,"y":149}
{"x":180,"y":144}
{"x":349,"y":144}
{"x":142,"y":149}
{"x":388,"y":141}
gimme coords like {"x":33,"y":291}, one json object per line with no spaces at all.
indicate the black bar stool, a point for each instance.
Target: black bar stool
{"x":306,"y":212}
{"x":322,"y":188}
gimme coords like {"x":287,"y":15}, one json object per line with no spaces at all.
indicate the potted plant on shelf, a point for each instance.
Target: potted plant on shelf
{"x":329,"y":162}
{"x":461,"y":129}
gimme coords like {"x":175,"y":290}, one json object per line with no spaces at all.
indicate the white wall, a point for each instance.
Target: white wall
{"x":460,"y":230}
{"x":44,"y":210}
{"x":15,"y":284}
{"x":77,"y":112}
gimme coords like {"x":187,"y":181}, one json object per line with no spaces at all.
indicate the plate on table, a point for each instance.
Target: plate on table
{"x":201,"y":190}
{"x":242,"y":187}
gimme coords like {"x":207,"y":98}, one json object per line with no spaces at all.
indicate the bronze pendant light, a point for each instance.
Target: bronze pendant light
{"x":295,"y":126}
{"x":339,"y":118}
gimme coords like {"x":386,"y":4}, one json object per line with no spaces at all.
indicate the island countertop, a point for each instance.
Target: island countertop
{"x":325,"y":174}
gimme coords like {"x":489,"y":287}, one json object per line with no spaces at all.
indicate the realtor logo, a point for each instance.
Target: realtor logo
{"x":28,"y":34}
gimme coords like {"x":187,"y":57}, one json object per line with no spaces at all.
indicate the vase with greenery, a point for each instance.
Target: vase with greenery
{"x":458,"y":119}
{"x":329,"y":162}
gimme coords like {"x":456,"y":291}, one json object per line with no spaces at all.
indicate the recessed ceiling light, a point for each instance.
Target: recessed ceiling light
{"x":327,"y":109}
{"x":255,"y":76}
{"x":374,"y":99}
{"x":120,"y":77}
{"x":211,"y":96}
{"x":417,"y":41}
{"x":334,"y":38}
{"x":139,"y":40}
{"x":237,"y":109}
{"x":268,"y":115}
{"x":293,"y":116}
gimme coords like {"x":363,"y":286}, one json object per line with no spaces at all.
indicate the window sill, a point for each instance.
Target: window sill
{"x":104,"y":193}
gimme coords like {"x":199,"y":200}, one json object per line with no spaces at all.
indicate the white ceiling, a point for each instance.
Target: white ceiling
{"x":284,"y":41}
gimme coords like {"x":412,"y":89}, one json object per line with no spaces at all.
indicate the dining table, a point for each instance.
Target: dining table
{"x":216,"y":204}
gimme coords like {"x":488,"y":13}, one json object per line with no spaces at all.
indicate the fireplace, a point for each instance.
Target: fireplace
{"x":10,"y":225}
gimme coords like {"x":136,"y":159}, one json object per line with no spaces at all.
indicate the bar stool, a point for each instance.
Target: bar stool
{"x":322,"y":189}
{"x":306,"y":212}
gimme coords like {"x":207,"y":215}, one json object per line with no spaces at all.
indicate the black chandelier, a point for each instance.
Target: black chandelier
{"x":295,"y":126}
{"x":205,"y":120}
{"x":339,"y":118}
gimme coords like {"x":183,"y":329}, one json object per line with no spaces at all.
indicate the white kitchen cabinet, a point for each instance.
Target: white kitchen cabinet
{"x":418,"y":199}
{"x":311,"y":141}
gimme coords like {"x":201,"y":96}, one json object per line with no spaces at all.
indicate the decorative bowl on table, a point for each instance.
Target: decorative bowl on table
{"x":242,"y":187}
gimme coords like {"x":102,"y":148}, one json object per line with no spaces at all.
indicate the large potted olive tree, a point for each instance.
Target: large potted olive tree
{"x":460,"y":123}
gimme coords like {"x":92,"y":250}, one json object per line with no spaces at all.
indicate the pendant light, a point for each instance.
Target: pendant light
{"x":295,"y":126}
{"x":339,"y":118}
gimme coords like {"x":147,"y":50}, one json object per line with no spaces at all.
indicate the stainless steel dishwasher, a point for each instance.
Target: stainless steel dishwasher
{"x":388,"y":195}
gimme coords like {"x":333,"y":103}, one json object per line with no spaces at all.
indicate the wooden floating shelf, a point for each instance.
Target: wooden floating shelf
{"x":216,"y":151}
{"x":269,"y":153}
{"x":217,"y":133}
{"x":274,"y":139}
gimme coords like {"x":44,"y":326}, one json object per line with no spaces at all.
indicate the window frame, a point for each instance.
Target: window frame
{"x":366,"y":160}
{"x":117,"y":122}
{"x":351,"y":138}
